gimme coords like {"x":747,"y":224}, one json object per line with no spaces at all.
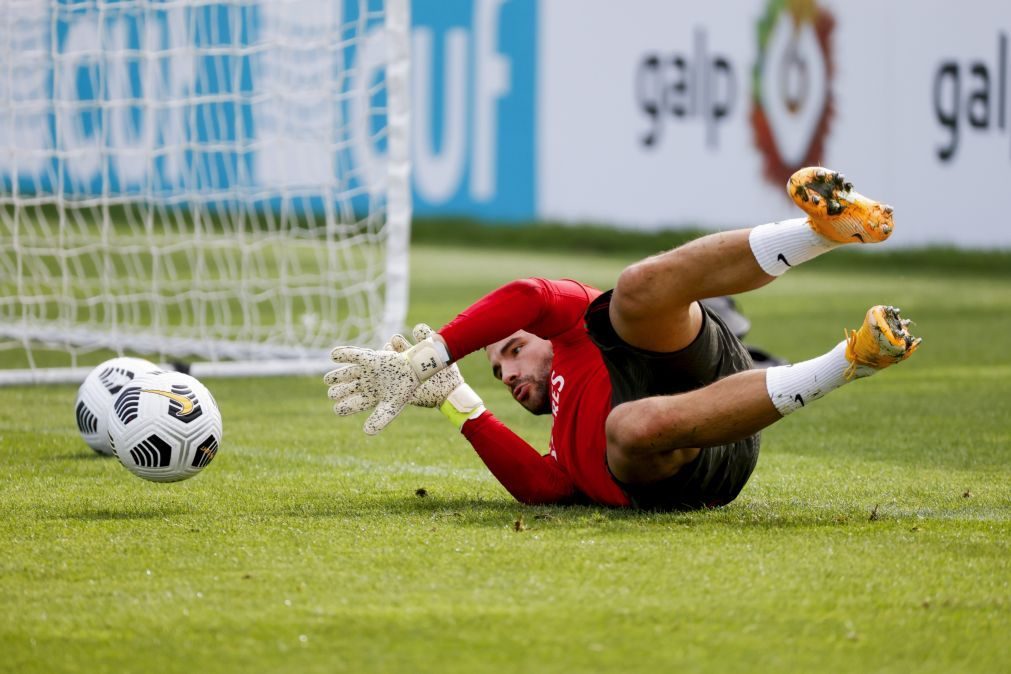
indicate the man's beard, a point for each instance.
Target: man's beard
{"x":544,"y":406}
{"x":540,"y":384}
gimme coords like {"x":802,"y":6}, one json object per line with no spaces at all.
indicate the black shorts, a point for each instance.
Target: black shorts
{"x":719,"y":473}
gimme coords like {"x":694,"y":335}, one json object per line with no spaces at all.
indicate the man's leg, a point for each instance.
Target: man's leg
{"x":654,"y":303}
{"x":651,"y":438}
{"x":654,"y":307}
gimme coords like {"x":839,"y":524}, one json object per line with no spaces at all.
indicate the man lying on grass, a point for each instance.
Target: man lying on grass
{"x":654,"y":401}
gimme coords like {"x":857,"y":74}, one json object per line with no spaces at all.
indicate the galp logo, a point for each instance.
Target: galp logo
{"x":791,"y":86}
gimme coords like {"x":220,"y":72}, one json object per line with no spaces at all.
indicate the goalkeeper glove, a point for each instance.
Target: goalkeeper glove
{"x":446,"y":390}
{"x":388,"y":377}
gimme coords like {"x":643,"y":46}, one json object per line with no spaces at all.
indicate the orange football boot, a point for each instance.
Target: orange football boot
{"x":837,"y":212}
{"x":881,"y":341}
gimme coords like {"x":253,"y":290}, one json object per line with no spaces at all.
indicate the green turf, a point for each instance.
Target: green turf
{"x":305,"y":548}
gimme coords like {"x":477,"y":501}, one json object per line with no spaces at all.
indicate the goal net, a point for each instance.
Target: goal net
{"x":224,"y":183}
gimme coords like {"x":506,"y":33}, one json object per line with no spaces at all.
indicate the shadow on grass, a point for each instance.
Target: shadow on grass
{"x":109,"y":514}
{"x":472,"y":511}
{"x":82,"y":456}
{"x":482,"y":513}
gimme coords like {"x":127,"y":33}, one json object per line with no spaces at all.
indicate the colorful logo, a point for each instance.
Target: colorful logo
{"x":791,"y":86}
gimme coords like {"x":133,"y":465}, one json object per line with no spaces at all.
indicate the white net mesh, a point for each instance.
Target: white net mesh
{"x":200,"y":180}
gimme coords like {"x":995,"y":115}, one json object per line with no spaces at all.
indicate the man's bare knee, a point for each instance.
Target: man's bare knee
{"x":635,"y":293}
{"x":642,"y":428}
{"x":638,"y":443}
{"x":623,"y":428}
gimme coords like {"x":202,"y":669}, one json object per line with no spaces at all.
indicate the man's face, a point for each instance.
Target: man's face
{"x":523,"y":362}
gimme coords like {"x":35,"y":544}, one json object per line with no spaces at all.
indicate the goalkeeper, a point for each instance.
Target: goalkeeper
{"x":654,"y":401}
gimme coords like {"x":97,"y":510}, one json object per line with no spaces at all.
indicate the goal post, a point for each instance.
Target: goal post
{"x":221,"y":183}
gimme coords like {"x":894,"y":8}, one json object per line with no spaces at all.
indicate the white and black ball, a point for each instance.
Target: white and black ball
{"x":94,"y":398}
{"x":165,"y":426}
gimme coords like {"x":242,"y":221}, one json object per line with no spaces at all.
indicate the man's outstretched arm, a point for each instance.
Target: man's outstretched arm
{"x":530,"y":477}
{"x":544,"y":308}
{"x":538,"y":306}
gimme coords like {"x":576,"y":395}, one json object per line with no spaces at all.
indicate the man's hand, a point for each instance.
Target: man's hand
{"x":446,"y":390}
{"x":386,"y":380}
{"x":353,"y":395}
{"x":434,"y":391}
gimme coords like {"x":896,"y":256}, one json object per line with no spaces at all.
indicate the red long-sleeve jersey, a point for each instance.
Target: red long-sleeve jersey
{"x":575,"y":467}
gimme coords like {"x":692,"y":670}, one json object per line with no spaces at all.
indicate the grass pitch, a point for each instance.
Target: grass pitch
{"x":875,"y":535}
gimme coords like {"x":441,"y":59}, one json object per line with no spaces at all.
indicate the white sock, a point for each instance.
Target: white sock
{"x":794,"y":386}
{"x":780,"y":245}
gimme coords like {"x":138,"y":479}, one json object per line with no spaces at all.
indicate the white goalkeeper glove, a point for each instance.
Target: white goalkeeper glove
{"x":446,"y":390}
{"x":390,"y":379}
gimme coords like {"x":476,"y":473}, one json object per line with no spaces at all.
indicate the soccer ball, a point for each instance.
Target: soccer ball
{"x":94,"y":398}
{"x":165,"y":426}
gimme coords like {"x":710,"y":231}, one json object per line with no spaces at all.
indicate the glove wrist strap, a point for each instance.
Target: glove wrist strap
{"x":462,"y":405}
{"x":427,"y":357}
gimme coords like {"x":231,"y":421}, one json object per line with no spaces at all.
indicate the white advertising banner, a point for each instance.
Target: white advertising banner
{"x":654,"y":113}
{"x":635,"y":113}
